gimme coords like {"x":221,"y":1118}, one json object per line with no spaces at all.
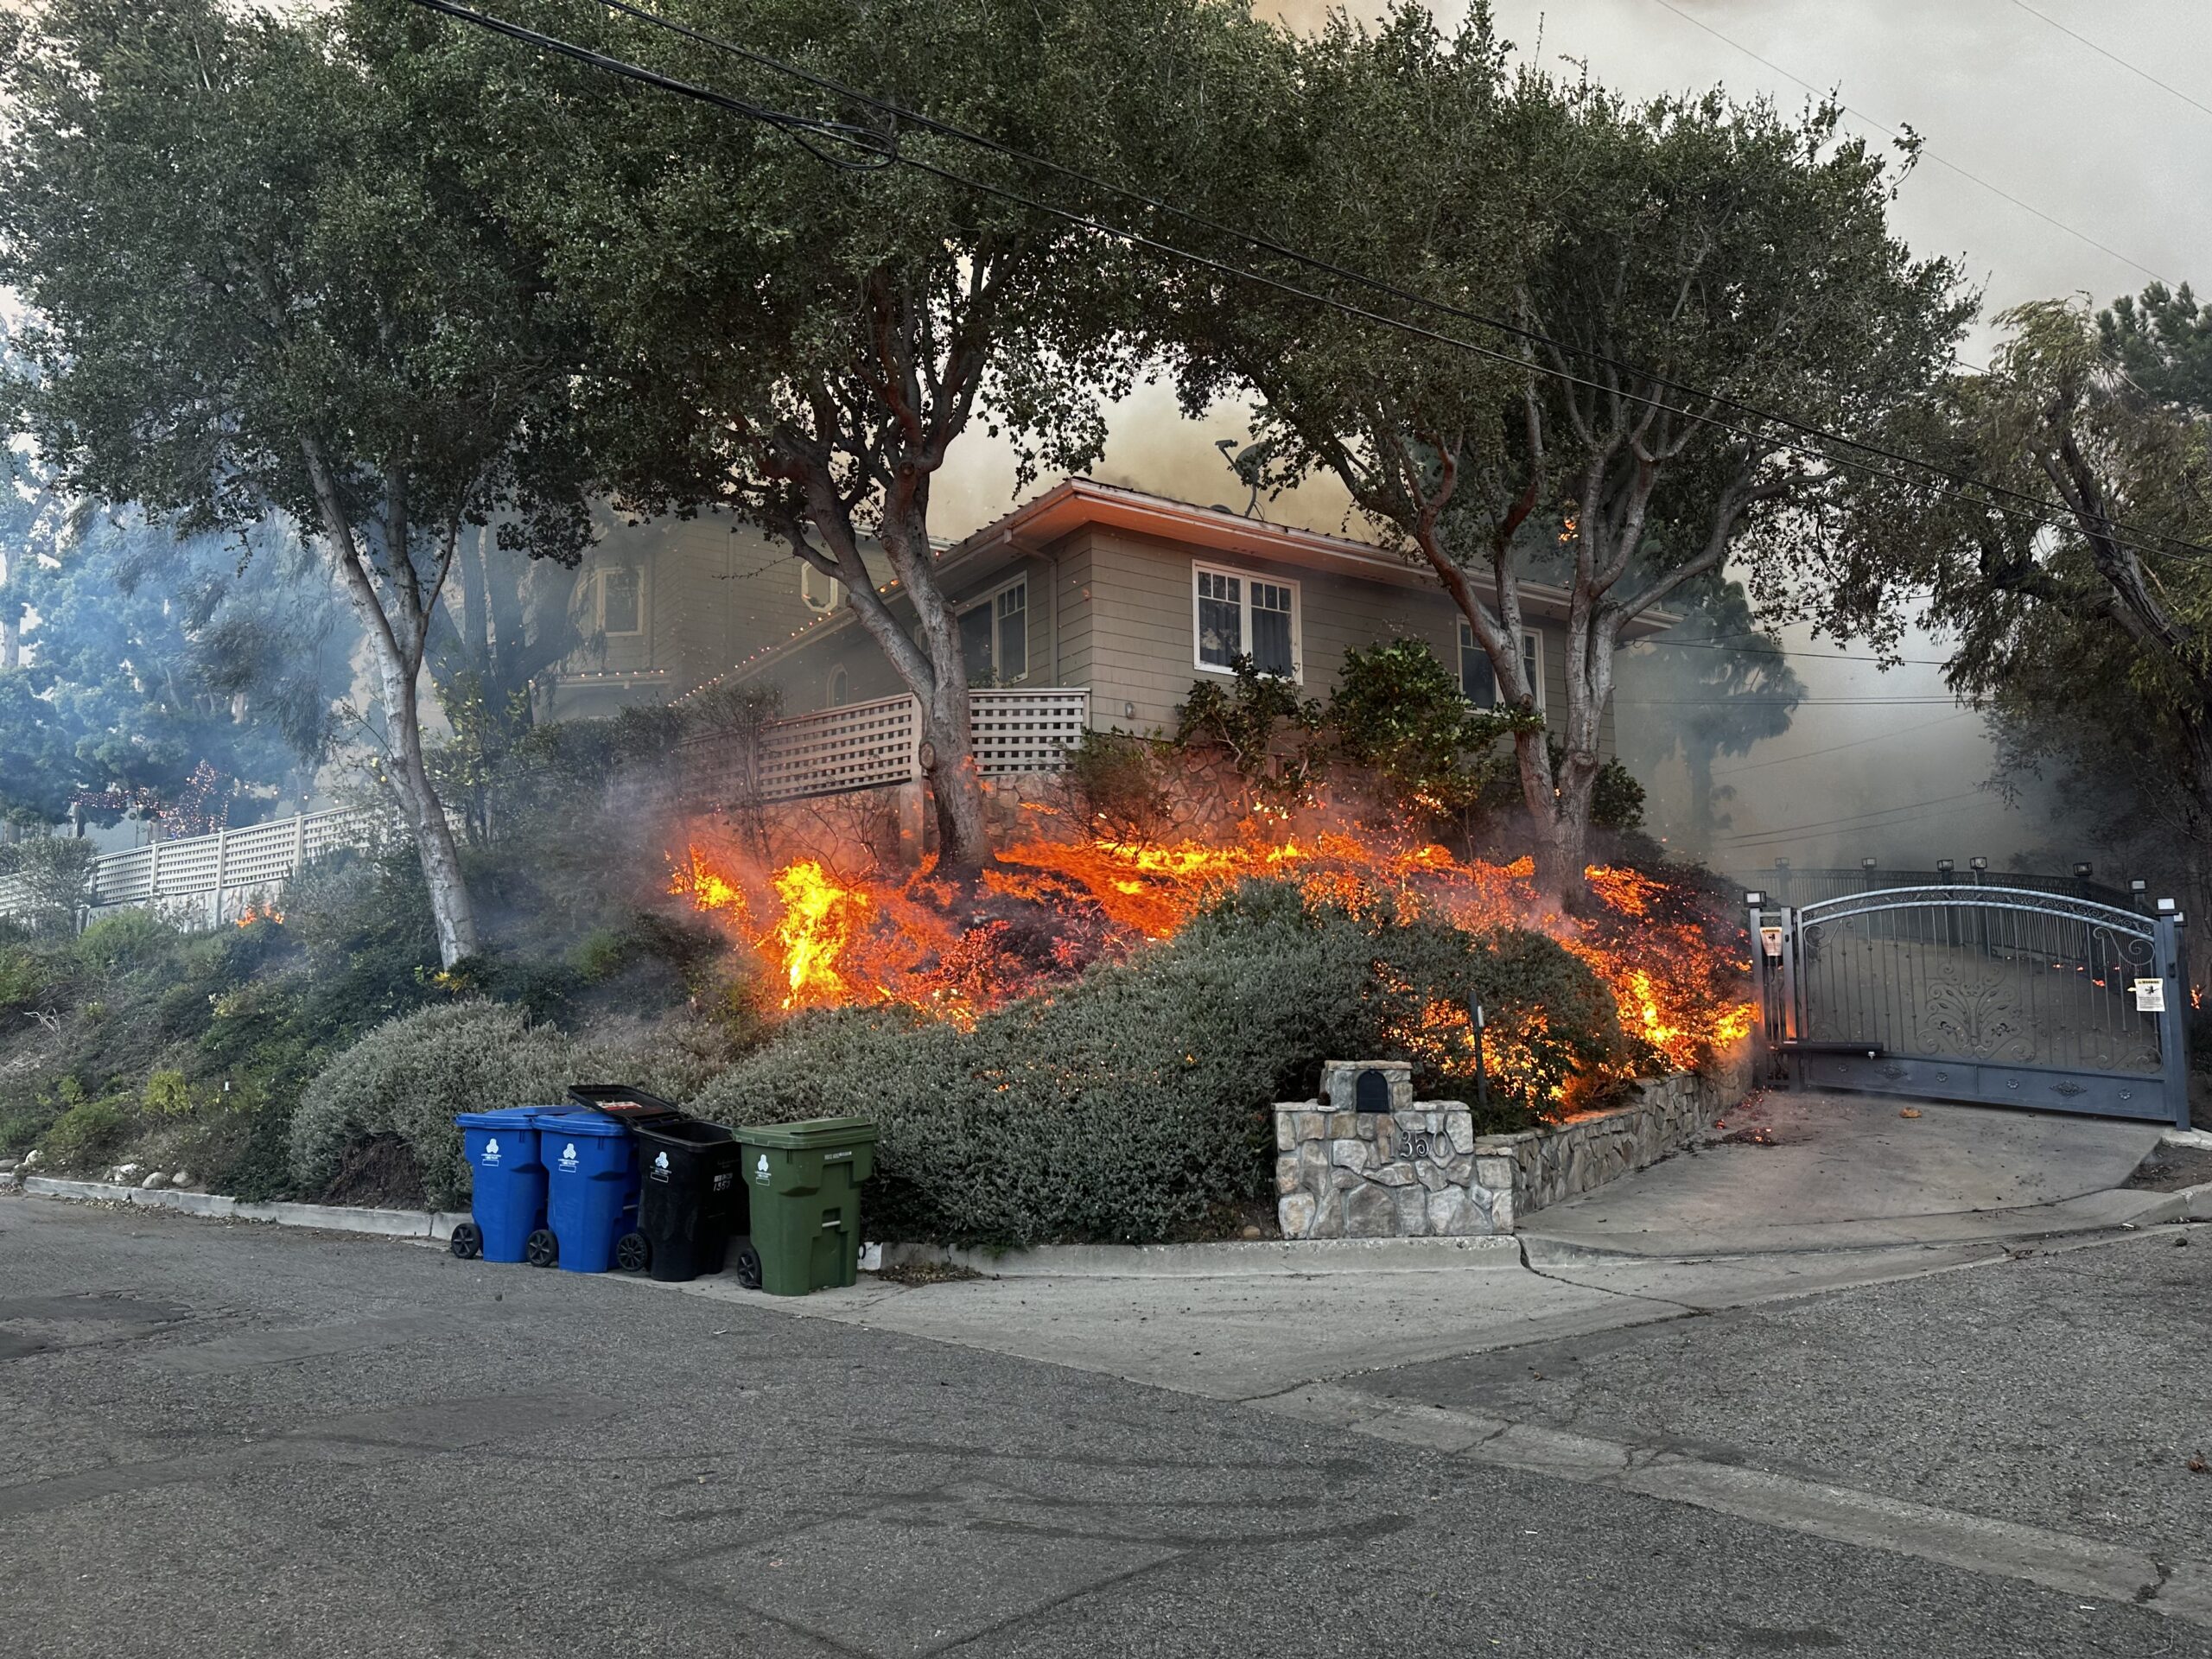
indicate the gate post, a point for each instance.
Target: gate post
{"x":1755,"y":903}
{"x":1790,"y":1032}
{"x":2173,"y":1024}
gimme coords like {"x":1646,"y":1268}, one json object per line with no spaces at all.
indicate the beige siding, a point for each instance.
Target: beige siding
{"x":1124,"y":620}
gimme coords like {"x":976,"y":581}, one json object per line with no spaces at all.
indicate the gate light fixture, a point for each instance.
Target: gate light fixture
{"x":1978,"y":864}
{"x":2082,"y":872}
{"x":1944,"y":866}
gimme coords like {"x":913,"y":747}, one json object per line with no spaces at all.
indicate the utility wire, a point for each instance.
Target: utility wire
{"x":888,"y":154}
{"x":1850,"y":822}
{"x":898,"y":113}
{"x":1832,"y":748}
{"x":2132,"y":69}
{"x":1805,"y":656}
{"x":1972,"y":178}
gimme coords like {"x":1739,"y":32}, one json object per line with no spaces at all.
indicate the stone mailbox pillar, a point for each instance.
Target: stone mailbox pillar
{"x":1409,"y":1171}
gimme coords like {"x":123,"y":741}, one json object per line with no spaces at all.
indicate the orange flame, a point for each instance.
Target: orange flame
{"x":836,"y":939}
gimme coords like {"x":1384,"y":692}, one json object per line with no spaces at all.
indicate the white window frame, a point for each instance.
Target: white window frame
{"x":808,"y":575}
{"x":990,"y":602}
{"x":598,"y":602}
{"x":1532,"y":658}
{"x":1244,"y":579}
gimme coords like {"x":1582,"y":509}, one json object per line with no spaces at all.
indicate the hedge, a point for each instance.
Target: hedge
{"x":1134,"y":1107}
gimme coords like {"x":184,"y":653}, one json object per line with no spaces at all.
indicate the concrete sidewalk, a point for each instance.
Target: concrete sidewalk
{"x":1822,"y":1171}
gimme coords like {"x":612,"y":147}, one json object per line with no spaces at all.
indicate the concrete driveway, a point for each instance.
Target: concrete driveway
{"x":1832,"y":1171}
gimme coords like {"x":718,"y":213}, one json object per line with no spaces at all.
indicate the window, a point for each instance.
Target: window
{"x":621,"y":599}
{"x":817,"y":591}
{"x":995,"y":637}
{"x":1011,"y":610}
{"x":839,"y":685}
{"x":1478,"y":679}
{"x":1235,"y":615}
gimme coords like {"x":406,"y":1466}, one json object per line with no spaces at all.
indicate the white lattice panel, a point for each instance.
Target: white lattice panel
{"x":1026,"y":731}
{"x":124,"y":878}
{"x":863,"y":746}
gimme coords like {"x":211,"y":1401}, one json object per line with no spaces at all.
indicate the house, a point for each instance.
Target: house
{"x":663,"y":607}
{"x":1132,"y":597}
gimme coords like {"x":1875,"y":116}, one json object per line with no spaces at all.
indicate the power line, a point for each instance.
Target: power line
{"x":1805,"y":656}
{"x":1973,"y":178}
{"x":2132,"y":69}
{"x":1832,"y":748}
{"x":2042,"y":514}
{"x":887,"y":153}
{"x":1852,"y":822}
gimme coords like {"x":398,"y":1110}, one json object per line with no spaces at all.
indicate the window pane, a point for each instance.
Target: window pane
{"x":976,"y":644}
{"x":1477,"y":680}
{"x":1013,"y":633}
{"x":820,"y":592}
{"x":618,"y":599}
{"x":1532,"y":665}
{"x":1272,"y":652}
{"x":1221,"y":622}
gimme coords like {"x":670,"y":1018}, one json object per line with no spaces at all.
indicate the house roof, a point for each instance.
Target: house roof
{"x":1079,"y":502}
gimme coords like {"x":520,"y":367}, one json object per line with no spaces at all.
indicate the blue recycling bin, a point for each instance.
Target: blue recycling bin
{"x":507,"y":1181}
{"x":591,"y":1186}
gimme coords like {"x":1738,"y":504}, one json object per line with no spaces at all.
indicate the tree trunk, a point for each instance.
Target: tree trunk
{"x":452,"y":912}
{"x":12,"y":618}
{"x":1704,"y":809}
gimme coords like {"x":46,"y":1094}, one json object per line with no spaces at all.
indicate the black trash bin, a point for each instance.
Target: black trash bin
{"x":691,"y":1200}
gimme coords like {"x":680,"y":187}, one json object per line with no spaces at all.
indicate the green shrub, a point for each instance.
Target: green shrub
{"x":408,"y":1077}
{"x":56,"y":874}
{"x":1135,"y":1105}
{"x":85,"y":1133}
{"x":168,"y":1095}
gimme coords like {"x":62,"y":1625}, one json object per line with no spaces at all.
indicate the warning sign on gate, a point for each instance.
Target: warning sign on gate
{"x":1771,"y":942}
{"x":2150,"y":996}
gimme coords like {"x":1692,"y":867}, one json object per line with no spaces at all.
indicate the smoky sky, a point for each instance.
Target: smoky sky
{"x":2085,"y":179}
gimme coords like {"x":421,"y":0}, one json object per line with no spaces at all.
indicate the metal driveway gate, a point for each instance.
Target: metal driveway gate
{"x":2003,"y":995}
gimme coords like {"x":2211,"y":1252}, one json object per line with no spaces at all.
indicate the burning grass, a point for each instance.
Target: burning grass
{"x":1669,"y":954}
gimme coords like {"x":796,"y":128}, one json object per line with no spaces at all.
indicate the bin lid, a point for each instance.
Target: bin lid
{"x":810,"y":1133}
{"x":501,"y":1117}
{"x":687,"y":1132}
{"x":620,"y":1100}
{"x":575,"y":1120}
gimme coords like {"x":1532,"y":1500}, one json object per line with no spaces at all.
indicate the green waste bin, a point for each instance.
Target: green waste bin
{"x":804,"y":1180}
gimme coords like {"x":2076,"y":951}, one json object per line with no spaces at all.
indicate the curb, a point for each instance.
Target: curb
{"x":329,"y":1218}
{"x":1230,"y":1259}
{"x":2135,"y":1210}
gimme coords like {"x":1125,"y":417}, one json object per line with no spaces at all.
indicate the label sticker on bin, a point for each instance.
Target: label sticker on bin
{"x":569,"y":1156}
{"x":492,"y":1150}
{"x":660,"y":1167}
{"x":760,"y":1169}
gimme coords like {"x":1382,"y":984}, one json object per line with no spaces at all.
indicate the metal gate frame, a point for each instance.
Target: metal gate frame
{"x":1777,"y":948}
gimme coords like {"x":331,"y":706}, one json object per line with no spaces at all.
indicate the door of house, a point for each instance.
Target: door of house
{"x":2000,"y":996}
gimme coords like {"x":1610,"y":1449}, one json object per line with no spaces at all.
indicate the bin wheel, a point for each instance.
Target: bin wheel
{"x":748,"y":1267}
{"x":542,"y":1250}
{"x":633,"y":1252}
{"x":467,"y":1240}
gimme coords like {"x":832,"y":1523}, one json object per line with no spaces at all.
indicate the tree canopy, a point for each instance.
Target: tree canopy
{"x":1664,"y":277}
{"x":265,"y":281}
{"x":798,"y":325}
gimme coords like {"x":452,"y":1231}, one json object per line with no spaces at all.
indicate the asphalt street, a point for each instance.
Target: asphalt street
{"x":232,"y":1439}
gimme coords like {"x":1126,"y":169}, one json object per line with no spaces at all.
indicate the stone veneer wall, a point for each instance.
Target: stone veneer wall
{"x":1420,"y":1170}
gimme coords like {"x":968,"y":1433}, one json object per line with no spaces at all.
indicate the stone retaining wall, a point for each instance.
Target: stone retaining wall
{"x":1419,"y":1170}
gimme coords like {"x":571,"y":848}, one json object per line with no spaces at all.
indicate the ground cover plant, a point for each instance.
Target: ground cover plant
{"x":1133,"y":1106}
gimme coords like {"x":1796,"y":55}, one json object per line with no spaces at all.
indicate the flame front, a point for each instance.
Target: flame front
{"x":835,"y":939}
